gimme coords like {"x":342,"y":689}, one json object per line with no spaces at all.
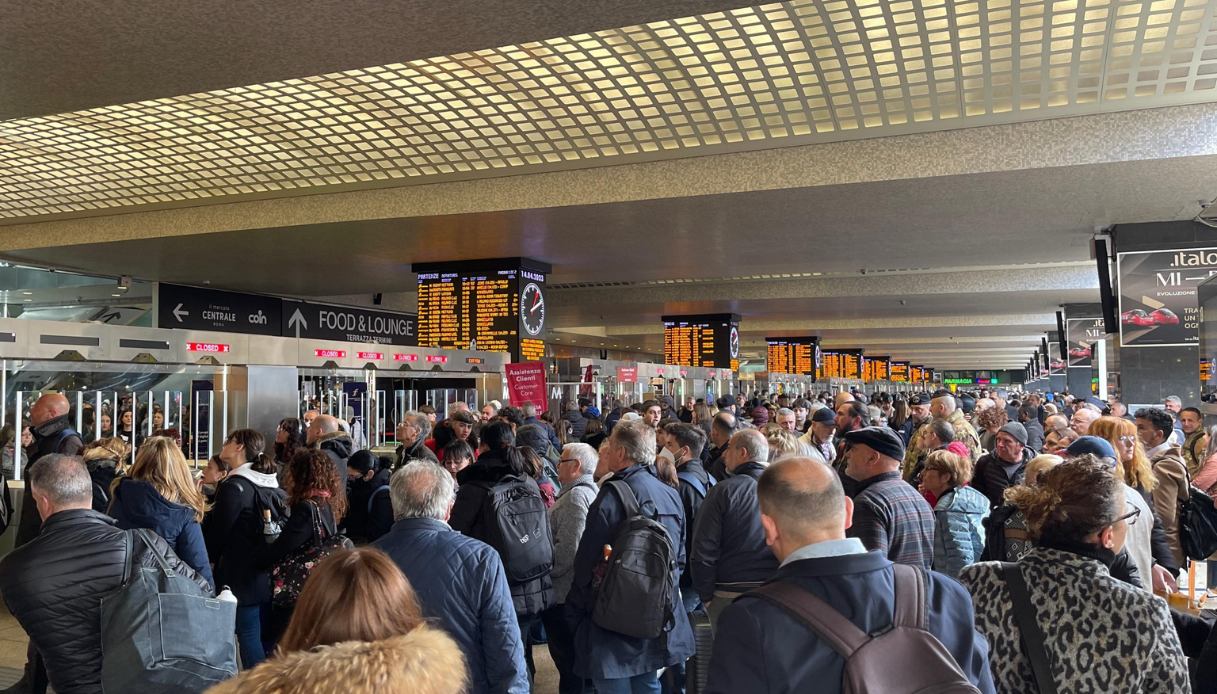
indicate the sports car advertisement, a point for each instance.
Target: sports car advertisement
{"x":1158,"y":295}
{"x":1082,"y":334}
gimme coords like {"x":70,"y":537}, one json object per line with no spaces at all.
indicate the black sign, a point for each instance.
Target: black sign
{"x":191,"y":308}
{"x":348,"y":324}
{"x":1158,"y":295}
{"x":792,"y":355}
{"x":1083,"y":334}
{"x":710,"y":340}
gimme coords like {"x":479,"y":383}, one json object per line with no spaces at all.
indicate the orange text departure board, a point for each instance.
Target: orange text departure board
{"x":710,"y":340}
{"x":851,"y":364}
{"x":792,"y":355}
{"x":899,"y":372}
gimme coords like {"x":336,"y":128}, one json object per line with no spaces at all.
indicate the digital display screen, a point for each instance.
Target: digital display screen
{"x":210,"y":347}
{"x":830,"y":365}
{"x":915,"y":374}
{"x":492,"y":306}
{"x":791,"y":355}
{"x":702,"y":340}
{"x":851,"y":364}
{"x":875,"y":369}
{"x":899,"y":372}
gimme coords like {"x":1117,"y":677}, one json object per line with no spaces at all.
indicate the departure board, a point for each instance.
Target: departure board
{"x":710,"y":340}
{"x":899,"y":372}
{"x":493,"y":305}
{"x":831,"y":362}
{"x":851,"y":364}
{"x":880,"y":368}
{"x":791,"y":355}
{"x":916,"y":374}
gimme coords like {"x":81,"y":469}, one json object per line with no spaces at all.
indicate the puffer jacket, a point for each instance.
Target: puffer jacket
{"x":54,"y":436}
{"x":54,"y":584}
{"x":567,"y":519}
{"x":232,"y":531}
{"x":102,"y":472}
{"x":137,"y":504}
{"x":369,"y":512}
{"x":470,"y":512}
{"x":424,"y":661}
{"x":1099,"y":630}
{"x":959,"y":531}
{"x":578,"y":424}
{"x":462,"y":587}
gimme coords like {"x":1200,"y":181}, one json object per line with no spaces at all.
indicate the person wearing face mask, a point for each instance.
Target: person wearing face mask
{"x":684,"y":445}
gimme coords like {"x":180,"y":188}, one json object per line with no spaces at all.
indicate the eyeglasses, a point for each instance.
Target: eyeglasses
{"x":1130,"y":440}
{"x":568,"y":460}
{"x":1130,"y":517}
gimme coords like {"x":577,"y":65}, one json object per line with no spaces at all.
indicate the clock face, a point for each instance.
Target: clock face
{"x":532,"y":309}
{"x":734,"y":342}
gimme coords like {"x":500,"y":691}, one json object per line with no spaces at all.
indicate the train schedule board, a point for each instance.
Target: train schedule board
{"x":831,"y":365}
{"x":492,"y":305}
{"x":705,"y":340}
{"x":915,"y":374}
{"x":899,"y":372}
{"x":851,"y":364}
{"x":792,"y":355}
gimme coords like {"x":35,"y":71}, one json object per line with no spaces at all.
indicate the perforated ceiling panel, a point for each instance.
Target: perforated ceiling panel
{"x":774,"y":75}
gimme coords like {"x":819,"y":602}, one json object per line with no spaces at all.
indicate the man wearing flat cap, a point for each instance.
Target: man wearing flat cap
{"x":889,"y":514}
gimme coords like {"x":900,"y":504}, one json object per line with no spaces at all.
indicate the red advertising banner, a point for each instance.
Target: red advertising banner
{"x":589,"y":376}
{"x":627,"y":374}
{"x":526,"y":383}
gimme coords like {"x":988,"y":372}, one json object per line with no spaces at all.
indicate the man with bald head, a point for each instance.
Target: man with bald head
{"x":52,"y":434}
{"x":326,"y":434}
{"x":729,"y":555}
{"x":1082,"y":418}
{"x":805,"y":515}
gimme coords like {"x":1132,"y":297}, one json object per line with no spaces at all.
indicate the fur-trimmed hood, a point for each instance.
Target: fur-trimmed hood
{"x":424,"y":661}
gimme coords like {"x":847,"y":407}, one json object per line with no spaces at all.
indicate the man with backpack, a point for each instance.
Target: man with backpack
{"x":624,"y":603}
{"x":685,"y":442}
{"x":918,"y":626}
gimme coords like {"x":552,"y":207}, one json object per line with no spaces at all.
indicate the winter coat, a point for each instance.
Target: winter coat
{"x":964,"y":433}
{"x":102,"y":472}
{"x":760,"y":647}
{"x":232,"y":530}
{"x":339,"y":446}
{"x":959,"y":531}
{"x":369,"y":511}
{"x":1173,"y":481}
{"x":423,"y":661}
{"x":691,"y":498}
{"x":462,"y":587}
{"x":549,"y":431}
{"x":567,"y":518}
{"x":137,"y":504}
{"x":578,"y":424}
{"x":604,"y":654}
{"x":54,"y":436}
{"x":470,"y":512}
{"x":54,"y":585}
{"x":990,"y":478}
{"x":299,"y":532}
{"x":1035,"y":434}
{"x":418,"y":451}
{"x":1098,"y":631}
{"x":729,"y":548}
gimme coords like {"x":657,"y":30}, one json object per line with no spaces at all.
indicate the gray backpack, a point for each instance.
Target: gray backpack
{"x":905,"y":658}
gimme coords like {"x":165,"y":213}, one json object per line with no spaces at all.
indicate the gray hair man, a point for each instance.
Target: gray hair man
{"x":567,"y":519}
{"x":730,"y":556}
{"x":788,"y":420}
{"x":412,"y":431}
{"x":460,"y":581}
{"x":43,"y":582}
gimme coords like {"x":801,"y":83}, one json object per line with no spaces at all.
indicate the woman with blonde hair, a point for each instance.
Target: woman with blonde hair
{"x":959,"y":512}
{"x":104,"y":460}
{"x":160,"y":494}
{"x":357,"y":627}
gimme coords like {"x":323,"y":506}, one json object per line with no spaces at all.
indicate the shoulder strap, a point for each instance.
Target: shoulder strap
{"x":375,"y":493}
{"x":843,"y":635}
{"x":628,"y":499}
{"x":692,"y":479}
{"x":1029,"y":627}
{"x":129,"y":548}
{"x":910,"y":608}
{"x":144,"y":535}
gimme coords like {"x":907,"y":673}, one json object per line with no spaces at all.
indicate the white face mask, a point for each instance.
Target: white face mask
{"x":667,"y":455}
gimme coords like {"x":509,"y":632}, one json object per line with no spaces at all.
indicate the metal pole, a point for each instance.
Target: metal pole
{"x":80,"y":411}
{"x":97,"y":401}
{"x":17,"y":452}
{"x":211,"y":417}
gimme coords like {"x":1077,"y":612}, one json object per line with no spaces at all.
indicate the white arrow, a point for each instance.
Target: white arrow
{"x":178,"y":313}
{"x":297,"y":321}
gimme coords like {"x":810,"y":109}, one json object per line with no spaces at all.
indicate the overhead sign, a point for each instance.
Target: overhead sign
{"x":899,"y":372}
{"x":526,"y":384}
{"x":192,"y":308}
{"x":1158,"y":305}
{"x":792,"y":355}
{"x":1083,"y":334}
{"x":710,"y":340}
{"x":348,"y":324}
{"x":627,"y":374}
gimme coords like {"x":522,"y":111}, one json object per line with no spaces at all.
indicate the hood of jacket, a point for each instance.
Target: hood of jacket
{"x":144,"y":507}
{"x":489,"y":467}
{"x":337,"y":442}
{"x":424,"y":661}
{"x":964,"y":500}
{"x":261,"y":479}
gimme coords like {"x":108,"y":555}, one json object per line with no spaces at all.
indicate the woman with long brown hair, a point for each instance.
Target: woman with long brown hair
{"x":159,"y":493}
{"x":358,"y":627}
{"x":105,"y":460}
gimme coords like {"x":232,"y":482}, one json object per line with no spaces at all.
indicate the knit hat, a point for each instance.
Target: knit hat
{"x":363,"y":461}
{"x":1018,"y":431}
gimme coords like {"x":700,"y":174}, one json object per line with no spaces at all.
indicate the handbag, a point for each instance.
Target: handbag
{"x":160,"y":633}
{"x":289,"y":575}
{"x":1197,"y":524}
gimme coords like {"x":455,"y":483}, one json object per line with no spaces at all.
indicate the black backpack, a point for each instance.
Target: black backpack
{"x":1197,"y":524}
{"x":517,"y":526}
{"x":6,"y":504}
{"x":636,"y":597}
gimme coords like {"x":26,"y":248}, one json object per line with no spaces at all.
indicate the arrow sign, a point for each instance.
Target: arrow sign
{"x":297,"y":321}
{"x":178,"y":313}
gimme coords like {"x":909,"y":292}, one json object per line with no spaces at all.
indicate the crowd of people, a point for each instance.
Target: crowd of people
{"x":993,"y":541}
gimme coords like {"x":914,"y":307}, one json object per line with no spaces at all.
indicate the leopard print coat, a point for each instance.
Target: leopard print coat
{"x":1102,"y":635}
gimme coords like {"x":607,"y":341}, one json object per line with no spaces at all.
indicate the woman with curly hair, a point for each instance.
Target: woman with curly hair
{"x":990,"y":421}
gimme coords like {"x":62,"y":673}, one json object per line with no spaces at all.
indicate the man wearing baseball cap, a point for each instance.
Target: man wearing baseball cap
{"x":889,"y":514}
{"x":819,"y":435}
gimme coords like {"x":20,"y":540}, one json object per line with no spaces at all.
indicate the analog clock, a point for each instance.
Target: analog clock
{"x":532,"y":309}
{"x":734,"y":342}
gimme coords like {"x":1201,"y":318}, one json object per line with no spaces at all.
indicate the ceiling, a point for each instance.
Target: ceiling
{"x":135,"y":108}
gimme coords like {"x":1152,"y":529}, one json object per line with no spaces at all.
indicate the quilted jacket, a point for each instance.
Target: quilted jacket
{"x":959,"y":531}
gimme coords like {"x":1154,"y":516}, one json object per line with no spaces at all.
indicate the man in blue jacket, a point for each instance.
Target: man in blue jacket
{"x":460,"y":581}
{"x":616,"y":662}
{"x":760,"y":647}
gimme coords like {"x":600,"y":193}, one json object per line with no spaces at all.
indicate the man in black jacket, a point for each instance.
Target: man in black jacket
{"x":54,"y":584}
{"x":1004,"y":467}
{"x":52,"y":434}
{"x":721,"y":429}
{"x":412,"y":432}
{"x":729,"y":551}
{"x":685,"y":442}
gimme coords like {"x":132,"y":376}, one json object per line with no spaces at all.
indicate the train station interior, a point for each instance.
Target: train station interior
{"x":232,"y":213}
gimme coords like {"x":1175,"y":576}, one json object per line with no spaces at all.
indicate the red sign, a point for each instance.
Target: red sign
{"x":589,"y":376}
{"x":333,"y":353}
{"x":627,"y":374}
{"x":437,"y":359}
{"x":684,"y":372}
{"x":405,"y":357}
{"x":526,"y":383}
{"x":371,"y":355}
{"x":476,"y":361}
{"x":210,"y":347}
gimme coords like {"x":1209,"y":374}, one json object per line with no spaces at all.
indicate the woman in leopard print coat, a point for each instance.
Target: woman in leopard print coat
{"x":1101,"y":634}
